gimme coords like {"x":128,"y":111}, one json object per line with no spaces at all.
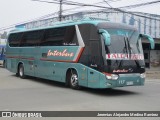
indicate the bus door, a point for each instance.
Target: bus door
{"x":94,"y":63}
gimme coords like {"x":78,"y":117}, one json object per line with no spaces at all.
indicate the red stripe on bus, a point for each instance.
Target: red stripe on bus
{"x":19,"y":57}
{"x":79,"y":55}
{"x":45,"y":59}
{"x":12,"y":57}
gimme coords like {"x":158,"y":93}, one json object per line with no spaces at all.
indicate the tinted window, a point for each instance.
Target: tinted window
{"x":14,"y":39}
{"x":70,"y":36}
{"x":54,"y":37}
{"x":31,"y":38}
{"x":89,"y":32}
{"x":63,"y":36}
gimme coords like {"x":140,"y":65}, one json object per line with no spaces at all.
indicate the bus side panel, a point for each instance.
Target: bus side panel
{"x":10,"y":65}
{"x":82,"y":71}
{"x":27,"y":58}
{"x":12,"y":59}
{"x":93,"y":78}
{"x":50,"y":70}
{"x":57,"y":71}
{"x":60,"y":71}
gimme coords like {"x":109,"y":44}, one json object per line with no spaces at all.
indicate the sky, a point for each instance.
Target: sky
{"x":19,"y":11}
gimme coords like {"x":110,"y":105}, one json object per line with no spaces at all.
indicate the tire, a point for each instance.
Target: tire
{"x":21,"y":71}
{"x":73,"y":80}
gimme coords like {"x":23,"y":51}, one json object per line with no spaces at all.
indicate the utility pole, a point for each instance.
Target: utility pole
{"x":60,"y":10}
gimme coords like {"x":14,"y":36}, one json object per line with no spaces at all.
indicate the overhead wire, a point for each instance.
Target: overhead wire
{"x":139,"y":5}
{"x":80,"y":4}
{"x":39,"y":18}
{"x":128,"y":15}
{"x":90,"y":5}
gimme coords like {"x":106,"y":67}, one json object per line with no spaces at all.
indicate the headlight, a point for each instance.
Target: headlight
{"x":143,"y":75}
{"x":114,"y":77}
{"x":111,"y":76}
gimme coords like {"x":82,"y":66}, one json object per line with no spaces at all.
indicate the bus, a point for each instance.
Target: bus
{"x":84,"y":53}
{"x":2,"y":54}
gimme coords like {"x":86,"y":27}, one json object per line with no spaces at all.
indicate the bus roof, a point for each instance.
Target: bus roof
{"x":94,"y":21}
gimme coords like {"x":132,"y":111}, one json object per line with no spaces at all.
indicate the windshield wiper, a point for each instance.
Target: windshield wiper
{"x":126,"y":51}
{"x":129,"y":47}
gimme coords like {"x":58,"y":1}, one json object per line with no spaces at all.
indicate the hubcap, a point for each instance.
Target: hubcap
{"x":74,"y":80}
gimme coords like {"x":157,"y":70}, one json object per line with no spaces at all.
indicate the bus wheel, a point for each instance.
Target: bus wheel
{"x":73,"y":81}
{"x":21,"y":71}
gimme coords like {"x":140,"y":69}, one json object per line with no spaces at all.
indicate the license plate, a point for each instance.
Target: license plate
{"x":129,"y":83}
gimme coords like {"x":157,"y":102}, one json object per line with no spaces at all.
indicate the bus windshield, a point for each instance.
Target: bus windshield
{"x":125,"y":51}
{"x":126,"y":43}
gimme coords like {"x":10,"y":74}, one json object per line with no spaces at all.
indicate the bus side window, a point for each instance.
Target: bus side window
{"x":53,"y":37}
{"x":65,"y":36}
{"x":70,"y":36}
{"x":14,"y":39}
{"x":31,"y":38}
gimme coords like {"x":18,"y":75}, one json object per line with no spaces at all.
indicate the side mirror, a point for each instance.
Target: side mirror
{"x":151,"y":40}
{"x":106,"y":35}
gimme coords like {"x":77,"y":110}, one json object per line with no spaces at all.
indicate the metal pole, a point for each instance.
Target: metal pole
{"x":60,"y":11}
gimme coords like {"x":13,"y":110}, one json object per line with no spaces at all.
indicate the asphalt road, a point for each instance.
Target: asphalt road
{"x":33,"y":94}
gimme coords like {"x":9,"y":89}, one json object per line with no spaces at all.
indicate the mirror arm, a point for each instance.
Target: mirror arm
{"x":106,"y":35}
{"x":151,"y":40}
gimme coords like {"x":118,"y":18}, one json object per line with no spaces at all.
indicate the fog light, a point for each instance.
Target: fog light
{"x":143,"y":75}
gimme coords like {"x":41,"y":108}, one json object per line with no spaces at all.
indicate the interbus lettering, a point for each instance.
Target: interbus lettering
{"x":63,"y":53}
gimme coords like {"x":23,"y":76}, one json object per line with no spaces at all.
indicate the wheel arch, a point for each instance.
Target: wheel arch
{"x":19,"y":63}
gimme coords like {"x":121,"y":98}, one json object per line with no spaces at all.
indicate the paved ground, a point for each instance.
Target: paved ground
{"x":153,"y":74}
{"x":40,"y":95}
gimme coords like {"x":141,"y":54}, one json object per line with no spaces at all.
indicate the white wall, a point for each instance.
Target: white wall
{"x":155,"y":59}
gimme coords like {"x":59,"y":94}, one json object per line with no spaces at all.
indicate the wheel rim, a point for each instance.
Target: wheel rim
{"x":21,"y":71}
{"x":74,"y":80}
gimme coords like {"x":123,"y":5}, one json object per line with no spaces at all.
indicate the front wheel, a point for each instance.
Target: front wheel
{"x":21,"y":71}
{"x":73,"y":80}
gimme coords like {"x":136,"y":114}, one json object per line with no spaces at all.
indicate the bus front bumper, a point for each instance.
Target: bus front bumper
{"x":124,"y":80}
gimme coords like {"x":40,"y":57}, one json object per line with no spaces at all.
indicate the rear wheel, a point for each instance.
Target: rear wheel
{"x":73,"y":80}
{"x":21,"y":71}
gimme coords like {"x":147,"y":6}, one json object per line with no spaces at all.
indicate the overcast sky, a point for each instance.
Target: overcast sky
{"x":17,"y":11}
